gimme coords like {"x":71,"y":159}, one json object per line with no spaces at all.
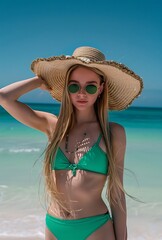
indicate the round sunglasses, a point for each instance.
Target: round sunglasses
{"x":90,"y":89}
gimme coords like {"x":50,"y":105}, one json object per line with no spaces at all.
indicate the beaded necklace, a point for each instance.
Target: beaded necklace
{"x":77,"y":145}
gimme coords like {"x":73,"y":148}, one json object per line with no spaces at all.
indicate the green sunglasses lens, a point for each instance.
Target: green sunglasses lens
{"x":91,"y":89}
{"x":73,"y":88}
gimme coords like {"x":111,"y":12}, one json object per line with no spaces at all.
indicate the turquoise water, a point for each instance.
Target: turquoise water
{"x":21,"y":148}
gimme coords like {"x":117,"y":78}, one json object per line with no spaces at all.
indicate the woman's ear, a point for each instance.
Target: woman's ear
{"x":101,"y":88}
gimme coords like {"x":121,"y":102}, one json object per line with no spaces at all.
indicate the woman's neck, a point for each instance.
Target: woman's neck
{"x":85,"y":116}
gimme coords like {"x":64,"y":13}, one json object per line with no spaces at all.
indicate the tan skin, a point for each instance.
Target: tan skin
{"x":86,"y":187}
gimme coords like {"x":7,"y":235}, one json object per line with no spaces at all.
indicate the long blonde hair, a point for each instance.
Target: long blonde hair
{"x":66,"y":120}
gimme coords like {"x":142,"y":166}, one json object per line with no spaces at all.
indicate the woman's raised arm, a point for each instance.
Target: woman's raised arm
{"x":9,"y":96}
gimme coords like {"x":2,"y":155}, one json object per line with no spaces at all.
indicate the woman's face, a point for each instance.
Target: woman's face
{"x":83,"y":77}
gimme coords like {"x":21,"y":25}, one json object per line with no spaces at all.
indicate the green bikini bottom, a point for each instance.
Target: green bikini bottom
{"x":75,"y":229}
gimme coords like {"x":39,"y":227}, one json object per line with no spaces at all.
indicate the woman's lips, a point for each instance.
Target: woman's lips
{"x":82,"y":102}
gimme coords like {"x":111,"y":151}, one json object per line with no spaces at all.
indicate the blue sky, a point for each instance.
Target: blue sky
{"x":129,"y":32}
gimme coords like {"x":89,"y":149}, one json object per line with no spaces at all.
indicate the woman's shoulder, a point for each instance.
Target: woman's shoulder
{"x":118,"y":141}
{"x":117,"y":131}
{"x":115,"y":126}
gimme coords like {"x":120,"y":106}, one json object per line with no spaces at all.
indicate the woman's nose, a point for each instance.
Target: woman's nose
{"x":82,"y":91}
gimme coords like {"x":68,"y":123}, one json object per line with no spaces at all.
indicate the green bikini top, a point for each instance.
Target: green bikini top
{"x":95,"y":160}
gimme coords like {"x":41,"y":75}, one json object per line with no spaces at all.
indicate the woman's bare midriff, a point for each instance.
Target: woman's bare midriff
{"x":82,"y":194}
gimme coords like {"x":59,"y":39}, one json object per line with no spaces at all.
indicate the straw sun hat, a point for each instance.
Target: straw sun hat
{"x":123,"y":84}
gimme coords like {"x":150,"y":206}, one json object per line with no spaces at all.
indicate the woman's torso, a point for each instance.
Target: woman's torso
{"x":82,"y":190}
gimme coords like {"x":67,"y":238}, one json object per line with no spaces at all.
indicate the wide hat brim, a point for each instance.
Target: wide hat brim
{"x":123,"y":84}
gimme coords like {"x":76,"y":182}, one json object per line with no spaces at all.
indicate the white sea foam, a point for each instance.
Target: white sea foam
{"x":24,"y":150}
{"x":3,"y":186}
{"x":28,"y":226}
{"x":19,"y":150}
{"x":144,"y":220}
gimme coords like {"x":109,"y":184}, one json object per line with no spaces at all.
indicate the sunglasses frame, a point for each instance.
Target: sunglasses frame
{"x":85,"y":88}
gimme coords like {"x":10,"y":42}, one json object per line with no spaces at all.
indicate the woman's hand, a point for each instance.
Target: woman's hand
{"x":44,"y":85}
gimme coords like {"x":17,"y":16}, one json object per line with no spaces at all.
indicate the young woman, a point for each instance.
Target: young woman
{"x":85,"y":149}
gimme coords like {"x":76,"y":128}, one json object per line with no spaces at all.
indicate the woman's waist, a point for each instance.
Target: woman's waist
{"x":74,"y":210}
{"x":70,"y":221}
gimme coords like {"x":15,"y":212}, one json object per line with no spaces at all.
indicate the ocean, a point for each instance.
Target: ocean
{"x":22,"y":208}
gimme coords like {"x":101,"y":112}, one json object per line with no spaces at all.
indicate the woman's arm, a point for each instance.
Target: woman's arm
{"x":118,"y":140}
{"x":9,"y":96}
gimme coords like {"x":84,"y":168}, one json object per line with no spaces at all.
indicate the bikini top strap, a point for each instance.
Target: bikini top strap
{"x":99,"y":139}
